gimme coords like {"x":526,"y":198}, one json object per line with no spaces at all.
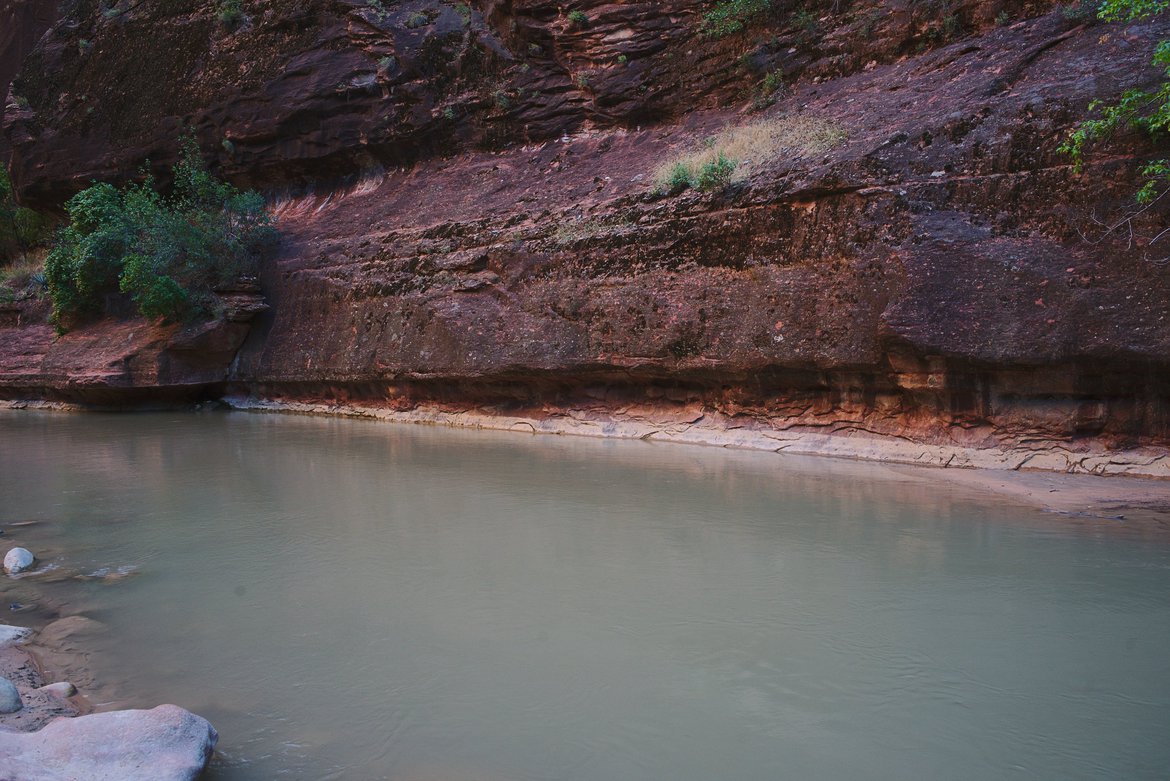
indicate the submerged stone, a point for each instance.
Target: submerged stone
{"x":18,"y":560}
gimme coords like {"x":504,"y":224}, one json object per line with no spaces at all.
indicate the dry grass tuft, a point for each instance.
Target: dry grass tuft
{"x":23,"y":278}
{"x":22,"y":269}
{"x":751,"y":146}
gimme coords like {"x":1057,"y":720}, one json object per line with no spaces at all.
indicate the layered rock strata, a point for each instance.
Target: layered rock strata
{"x":931,"y":285}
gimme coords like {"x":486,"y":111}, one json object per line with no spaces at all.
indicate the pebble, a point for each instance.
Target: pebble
{"x":18,"y":560}
{"x":9,"y":697}
{"x":60,"y":689}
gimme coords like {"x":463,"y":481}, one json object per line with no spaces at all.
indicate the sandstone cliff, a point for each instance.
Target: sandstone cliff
{"x":472,"y":227}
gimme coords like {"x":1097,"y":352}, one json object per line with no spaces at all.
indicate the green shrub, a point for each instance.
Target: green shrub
{"x":578,"y":20}
{"x":21,"y":228}
{"x":678,"y":177}
{"x":715,"y":174}
{"x":1145,"y":110}
{"x":167,"y":254}
{"x":771,"y":88}
{"x":230,"y":12}
{"x":730,"y":16}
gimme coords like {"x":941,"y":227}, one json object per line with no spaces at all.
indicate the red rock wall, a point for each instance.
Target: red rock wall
{"x":926,"y":280}
{"x":22,"y":23}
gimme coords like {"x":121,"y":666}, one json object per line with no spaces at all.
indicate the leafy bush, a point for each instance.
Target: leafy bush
{"x":21,"y":229}
{"x":716,"y":174}
{"x":578,"y":20}
{"x":167,"y":254}
{"x":1146,"y":110}
{"x":730,"y":16}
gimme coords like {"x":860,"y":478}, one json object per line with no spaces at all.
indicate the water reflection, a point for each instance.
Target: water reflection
{"x":354,"y":600}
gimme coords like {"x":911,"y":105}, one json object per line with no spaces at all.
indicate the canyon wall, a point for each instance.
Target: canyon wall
{"x":473,"y":231}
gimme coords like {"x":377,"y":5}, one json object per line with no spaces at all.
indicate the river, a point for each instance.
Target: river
{"x":355,"y":600}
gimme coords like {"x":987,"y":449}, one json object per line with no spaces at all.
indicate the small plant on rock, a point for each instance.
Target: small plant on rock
{"x":230,"y":13}
{"x":417,"y":19}
{"x":578,"y":20}
{"x":716,"y":174}
{"x":740,"y":150}
{"x":379,"y":11}
{"x":1146,"y":110}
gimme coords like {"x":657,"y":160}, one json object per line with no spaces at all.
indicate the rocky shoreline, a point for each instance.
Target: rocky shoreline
{"x":51,"y":729}
{"x":697,"y":426}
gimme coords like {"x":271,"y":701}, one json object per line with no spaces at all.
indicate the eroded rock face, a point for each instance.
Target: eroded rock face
{"x":303,"y":90}
{"x":927,"y":280}
{"x":165,"y":743}
{"x":22,"y":23}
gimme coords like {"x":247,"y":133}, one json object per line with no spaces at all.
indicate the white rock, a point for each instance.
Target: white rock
{"x":18,"y":560}
{"x":9,"y":698}
{"x":11,"y":635}
{"x":165,"y":743}
{"x":60,"y":689}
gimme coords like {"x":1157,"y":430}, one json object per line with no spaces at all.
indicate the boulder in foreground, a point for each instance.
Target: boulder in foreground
{"x":166,"y":743}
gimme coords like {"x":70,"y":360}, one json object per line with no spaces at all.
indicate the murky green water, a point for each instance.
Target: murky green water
{"x":363,"y":601}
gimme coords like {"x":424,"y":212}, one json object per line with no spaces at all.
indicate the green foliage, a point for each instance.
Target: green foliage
{"x":773,"y":82}
{"x":1145,"y":110}
{"x":730,"y":16}
{"x":678,"y":177}
{"x":21,"y":229}
{"x":806,"y":20}
{"x":771,"y":88}
{"x":578,"y":20}
{"x":716,"y":174}
{"x":713,"y":174}
{"x":167,"y":254}
{"x":1081,"y":12}
{"x":379,"y":10}
{"x":1129,"y":10}
{"x":230,"y":12}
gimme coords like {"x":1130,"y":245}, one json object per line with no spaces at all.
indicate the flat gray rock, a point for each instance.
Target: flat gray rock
{"x":11,"y":635}
{"x":166,"y":743}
